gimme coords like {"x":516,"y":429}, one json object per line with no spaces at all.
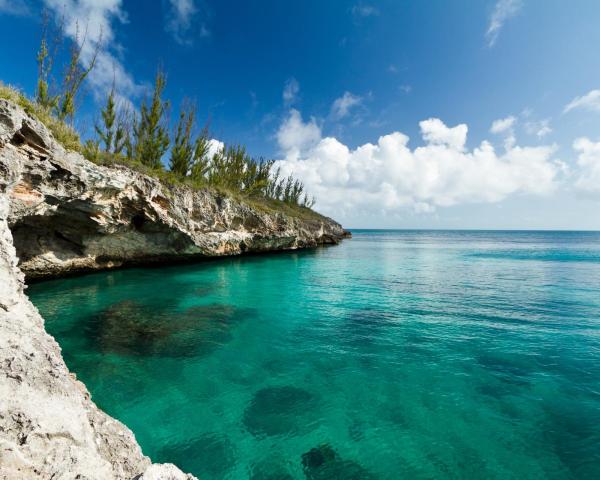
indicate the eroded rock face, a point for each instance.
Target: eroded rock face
{"x":49,"y":427}
{"x":60,"y":214}
{"x":67,"y":214}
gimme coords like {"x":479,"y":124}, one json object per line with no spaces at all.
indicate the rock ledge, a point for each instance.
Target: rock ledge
{"x":61,"y":214}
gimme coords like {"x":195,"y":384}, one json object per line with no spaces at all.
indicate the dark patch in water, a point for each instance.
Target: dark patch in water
{"x":362,"y":327}
{"x":131,"y":328}
{"x":574,"y":434}
{"x":324,"y":463}
{"x":204,"y":290}
{"x":356,"y":429}
{"x":277,"y":410}
{"x":506,"y":369}
{"x":211,"y":455}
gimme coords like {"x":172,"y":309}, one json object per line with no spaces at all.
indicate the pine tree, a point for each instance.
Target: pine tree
{"x":150,"y":134}
{"x":91,"y":150}
{"x":257,"y":176}
{"x":106,"y":131}
{"x":74,"y":77}
{"x":201,"y":161}
{"x":182,"y":153}
{"x":45,"y":60}
{"x":128,"y":144}
{"x":121,"y":137}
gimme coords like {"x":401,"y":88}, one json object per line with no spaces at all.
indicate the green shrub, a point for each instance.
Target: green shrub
{"x":63,"y":133}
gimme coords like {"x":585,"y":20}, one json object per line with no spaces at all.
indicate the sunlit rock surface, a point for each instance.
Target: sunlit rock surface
{"x":67,"y":214}
{"x":49,"y":427}
{"x":60,"y":214}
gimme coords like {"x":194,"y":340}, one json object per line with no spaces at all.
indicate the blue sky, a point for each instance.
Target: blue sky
{"x":332,"y":89}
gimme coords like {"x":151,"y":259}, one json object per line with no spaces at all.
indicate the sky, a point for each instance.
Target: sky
{"x":395,"y":114}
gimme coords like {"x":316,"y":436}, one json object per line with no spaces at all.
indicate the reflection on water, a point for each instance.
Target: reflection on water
{"x":421,"y":355}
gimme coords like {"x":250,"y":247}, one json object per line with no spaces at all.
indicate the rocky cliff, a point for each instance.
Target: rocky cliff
{"x":61,"y":214}
{"x":67,"y":214}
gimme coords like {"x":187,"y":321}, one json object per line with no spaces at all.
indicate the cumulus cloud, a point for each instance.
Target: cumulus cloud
{"x":540,"y":129}
{"x":435,"y":132}
{"x":14,"y":7}
{"x":214,"y":146}
{"x":503,"y":125}
{"x":389,"y":175}
{"x":295,"y":136}
{"x":588,"y":161}
{"x":341,"y":106}
{"x":503,"y":11}
{"x":95,"y":20}
{"x":290,"y":91}
{"x":589,"y":101}
{"x":180,"y":21}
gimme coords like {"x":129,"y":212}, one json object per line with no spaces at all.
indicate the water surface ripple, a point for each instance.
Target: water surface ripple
{"x":398,"y":354}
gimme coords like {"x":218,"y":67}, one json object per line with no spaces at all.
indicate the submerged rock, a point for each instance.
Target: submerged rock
{"x":133,"y":328}
{"x":59,"y":214}
{"x":277,"y":410}
{"x":49,"y":426}
{"x":324,"y":463}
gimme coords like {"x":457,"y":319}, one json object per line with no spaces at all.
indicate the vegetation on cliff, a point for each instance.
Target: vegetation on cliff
{"x":142,"y":138}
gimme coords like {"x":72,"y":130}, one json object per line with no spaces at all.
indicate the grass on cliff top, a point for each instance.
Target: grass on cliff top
{"x":63,"y":133}
{"x":263,"y":204}
{"x":69,"y":139}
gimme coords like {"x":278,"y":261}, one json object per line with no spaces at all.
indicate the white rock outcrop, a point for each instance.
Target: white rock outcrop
{"x":60,"y":214}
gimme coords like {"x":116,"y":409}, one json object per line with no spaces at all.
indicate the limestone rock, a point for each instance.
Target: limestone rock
{"x":67,"y":214}
{"x":59,"y":214}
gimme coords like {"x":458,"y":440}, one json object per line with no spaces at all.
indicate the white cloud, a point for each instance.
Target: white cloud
{"x":390,"y":176}
{"x":181,"y":19}
{"x":503,"y":11}
{"x":435,"y":132}
{"x":589,"y":101}
{"x":503,"y":125}
{"x":214,"y":146}
{"x":540,"y":129}
{"x":341,"y":106}
{"x":295,"y":136}
{"x":364,"y":10}
{"x":95,"y":20}
{"x":290,"y":91}
{"x":588,"y":161}
{"x":14,"y":7}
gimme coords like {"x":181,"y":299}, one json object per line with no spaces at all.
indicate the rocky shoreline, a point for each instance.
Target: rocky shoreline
{"x":60,"y":214}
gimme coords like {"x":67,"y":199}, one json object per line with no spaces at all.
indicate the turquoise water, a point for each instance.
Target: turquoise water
{"x":398,"y":354}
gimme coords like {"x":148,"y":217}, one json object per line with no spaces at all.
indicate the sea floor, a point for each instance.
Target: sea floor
{"x":398,"y":354}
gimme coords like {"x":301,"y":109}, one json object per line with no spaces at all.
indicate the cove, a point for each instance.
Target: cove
{"x":397,"y":354}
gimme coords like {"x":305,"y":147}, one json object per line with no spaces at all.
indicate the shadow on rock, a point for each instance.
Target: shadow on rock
{"x":324,"y":463}
{"x":278,"y":410}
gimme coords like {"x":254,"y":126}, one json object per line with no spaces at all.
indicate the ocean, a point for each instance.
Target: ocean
{"x":397,"y":354}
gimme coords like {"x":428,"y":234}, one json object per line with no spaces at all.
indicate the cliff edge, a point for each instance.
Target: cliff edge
{"x":61,"y":214}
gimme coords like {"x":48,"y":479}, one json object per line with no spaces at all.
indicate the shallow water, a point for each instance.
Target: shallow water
{"x":407,"y":354}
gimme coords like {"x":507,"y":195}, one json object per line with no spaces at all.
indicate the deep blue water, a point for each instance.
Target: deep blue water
{"x":398,"y":354}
